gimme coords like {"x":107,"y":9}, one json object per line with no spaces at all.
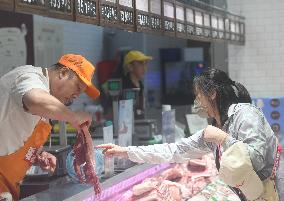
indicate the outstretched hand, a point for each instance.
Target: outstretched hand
{"x":112,"y":150}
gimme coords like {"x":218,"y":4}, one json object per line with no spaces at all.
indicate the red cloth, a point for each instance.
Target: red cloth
{"x":105,"y":69}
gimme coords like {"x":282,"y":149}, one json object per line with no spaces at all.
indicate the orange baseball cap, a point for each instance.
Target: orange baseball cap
{"x":84,"y":69}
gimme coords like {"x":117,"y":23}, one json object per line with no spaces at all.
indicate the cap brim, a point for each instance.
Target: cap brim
{"x":146,"y":58}
{"x":91,"y":90}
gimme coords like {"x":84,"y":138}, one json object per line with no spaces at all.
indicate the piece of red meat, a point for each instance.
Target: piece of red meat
{"x":84,"y":157}
{"x":41,"y":161}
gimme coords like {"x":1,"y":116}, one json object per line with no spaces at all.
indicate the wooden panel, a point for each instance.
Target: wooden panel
{"x":87,"y":11}
{"x":127,"y":17}
{"x":180,"y":20}
{"x":148,"y":22}
{"x":118,"y":15}
{"x":109,"y":13}
{"x":31,"y":7}
{"x":62,"y":9}
{"x":7,"y":5}
{"x":207,"y":25}
{"x":168,"y":10}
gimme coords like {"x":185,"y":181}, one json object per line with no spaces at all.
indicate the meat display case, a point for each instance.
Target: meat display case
{"x":118,"y":187}
{"x":112,"y":187}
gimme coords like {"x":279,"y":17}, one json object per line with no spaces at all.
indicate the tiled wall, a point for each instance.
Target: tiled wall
{"x":259,"y":65}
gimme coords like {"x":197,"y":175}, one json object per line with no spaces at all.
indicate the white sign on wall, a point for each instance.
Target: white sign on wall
{"x":48,"y":44}
{"x":13,"y":48}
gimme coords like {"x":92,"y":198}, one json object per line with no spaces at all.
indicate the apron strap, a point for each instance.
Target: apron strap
{"x":276,"y":162}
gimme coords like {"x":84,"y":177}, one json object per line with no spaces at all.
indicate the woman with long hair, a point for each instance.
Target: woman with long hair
{"x":235,"y":119}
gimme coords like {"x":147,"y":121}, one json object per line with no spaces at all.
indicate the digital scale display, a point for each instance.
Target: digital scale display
{"x":114,"y":85}
{"x":130,"y":93}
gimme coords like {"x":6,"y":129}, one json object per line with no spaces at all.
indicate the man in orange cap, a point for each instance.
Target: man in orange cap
{"x":29,"y":97}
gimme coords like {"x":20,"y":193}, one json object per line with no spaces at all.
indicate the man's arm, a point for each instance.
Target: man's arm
{"x":41,"y":103}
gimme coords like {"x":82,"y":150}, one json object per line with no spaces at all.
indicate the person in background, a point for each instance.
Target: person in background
{"x":29,"y":97}
{"x":135,"y":65}
{"x":235,"y":119}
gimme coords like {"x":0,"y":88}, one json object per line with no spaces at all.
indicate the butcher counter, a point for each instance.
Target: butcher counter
{"x":65,"y":189}
{"x":144,"y":180}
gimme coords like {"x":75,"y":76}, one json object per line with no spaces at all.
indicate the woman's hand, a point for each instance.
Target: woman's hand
{"x":214,"y":134}
{"x":112,"y":150}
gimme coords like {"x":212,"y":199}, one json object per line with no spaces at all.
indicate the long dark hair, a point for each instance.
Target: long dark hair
{"x":228,"y":91}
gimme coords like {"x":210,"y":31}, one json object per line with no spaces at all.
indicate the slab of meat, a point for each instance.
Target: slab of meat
{"x":41,"y":161}
{"x":177,"y":183}
{"x":173,"y":174}
{"x":155,"y":189}
{"x":146,"y":186}
{"x":196,"y":165}
{"x":84,"y":156}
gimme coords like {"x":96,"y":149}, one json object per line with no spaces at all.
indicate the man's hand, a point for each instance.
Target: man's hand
{"x":46,"y":161}
{"x":215,"y":135}
{"x":112,"y":150}
{"x":80,"y":118}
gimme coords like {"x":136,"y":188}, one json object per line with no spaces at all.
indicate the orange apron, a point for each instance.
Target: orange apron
{"x":13,"y":167}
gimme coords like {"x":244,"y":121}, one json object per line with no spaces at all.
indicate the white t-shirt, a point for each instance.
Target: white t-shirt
{"x":17,"y":125}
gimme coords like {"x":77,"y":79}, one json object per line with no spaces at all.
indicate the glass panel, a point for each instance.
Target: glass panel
{"x":142,"y":5}
{"x":180,"y":13}
{"x":237,"y":27}
{"x":206,"y":20}
{"x":189,"y":15}
{"x":169,"y":9}
{"x":220,"y":23}
{"x":198,"y":18}
{"x":242,"y":28}
{"x":233,"y":27}
{"x":155,"y":7}
{"x":227,"y":24}
{"x":127,"y":3}
{"x":214,"y":21}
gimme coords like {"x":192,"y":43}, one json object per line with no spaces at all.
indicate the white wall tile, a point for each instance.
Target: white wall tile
{"x":259,"y":64}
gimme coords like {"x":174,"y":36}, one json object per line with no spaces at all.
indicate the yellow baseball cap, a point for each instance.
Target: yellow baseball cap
{"x":135,"y":55}
{"x":84,"y":69}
